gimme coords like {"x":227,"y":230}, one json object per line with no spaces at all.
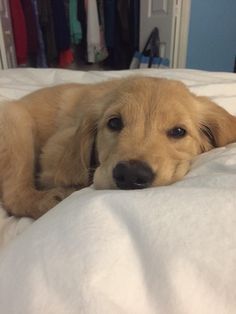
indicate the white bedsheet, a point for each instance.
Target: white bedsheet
{"x":167,"y":250}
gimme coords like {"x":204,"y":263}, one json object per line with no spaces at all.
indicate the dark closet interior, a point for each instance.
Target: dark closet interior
{"x":74,"y":33}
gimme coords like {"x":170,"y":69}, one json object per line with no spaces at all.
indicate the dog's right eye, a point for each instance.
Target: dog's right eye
{"x":115,"y":124}
{"x":176,"y":132}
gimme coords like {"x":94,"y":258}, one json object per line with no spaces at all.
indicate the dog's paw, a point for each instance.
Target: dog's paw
{"x":52,"y":198}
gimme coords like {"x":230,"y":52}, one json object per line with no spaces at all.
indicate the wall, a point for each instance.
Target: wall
{"x":212,"y":35}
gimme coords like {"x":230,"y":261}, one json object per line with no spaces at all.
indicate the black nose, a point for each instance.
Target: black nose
{"x":133,"y":174}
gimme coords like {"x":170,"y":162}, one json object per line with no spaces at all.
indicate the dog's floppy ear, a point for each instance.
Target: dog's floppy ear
{"x":85,"y":138}
{"x":217,"y":126}
{"x":65,"y":160}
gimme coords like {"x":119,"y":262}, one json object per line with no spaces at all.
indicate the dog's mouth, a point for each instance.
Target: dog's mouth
{"x":133,"y":174}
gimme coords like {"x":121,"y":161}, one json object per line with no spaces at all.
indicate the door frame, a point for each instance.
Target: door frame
{"x":178,"y":46}
{"x":182,"y":49}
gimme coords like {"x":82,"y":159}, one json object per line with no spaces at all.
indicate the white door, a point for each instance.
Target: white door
{"x":166,"y":15}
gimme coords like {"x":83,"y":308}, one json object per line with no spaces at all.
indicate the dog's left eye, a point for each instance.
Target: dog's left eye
{"x":115,"y":124}
{"x":176,"y":132}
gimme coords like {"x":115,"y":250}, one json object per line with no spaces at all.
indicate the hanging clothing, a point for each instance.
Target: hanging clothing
{"x":121,"y":25}
{"x":62,"y":33}
{"x":110,"y":22}
{"x":134,"y":23}
{"x":32,"y":34}
{"x":47,"y":27}
{"x":41,"y":57}
{"x":75,"y":26}
{"x":100,"y":4}
{"x":61,"y":28}
{"x":93,"y":32}
{"x":123,"y":44}
{"x":104,"y":51}
{"x":82,"y":18}
{"x":19,"y":31}
{"x":95,"y":43}
{"x":66,"y":58}
{"x":101,"y":30}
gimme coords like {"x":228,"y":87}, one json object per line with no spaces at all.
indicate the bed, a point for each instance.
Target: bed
{"x":165,"y":250}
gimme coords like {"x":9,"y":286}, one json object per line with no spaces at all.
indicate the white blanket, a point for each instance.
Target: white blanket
{"x":167,"y":250}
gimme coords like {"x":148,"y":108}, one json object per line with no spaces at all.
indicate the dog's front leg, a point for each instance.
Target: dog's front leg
{"x":17,"y":166}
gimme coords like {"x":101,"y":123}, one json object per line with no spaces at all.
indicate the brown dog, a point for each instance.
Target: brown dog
{"x":127,"y":133}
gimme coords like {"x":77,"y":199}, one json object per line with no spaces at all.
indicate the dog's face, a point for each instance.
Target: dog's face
{"x":150,"y":132}
{"x":147,"y":132}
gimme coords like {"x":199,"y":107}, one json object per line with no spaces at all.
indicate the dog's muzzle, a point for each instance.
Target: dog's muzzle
{"x":133,"y":174}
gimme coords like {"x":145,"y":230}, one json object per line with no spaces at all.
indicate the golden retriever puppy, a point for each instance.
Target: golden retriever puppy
{"x":129,"y":133}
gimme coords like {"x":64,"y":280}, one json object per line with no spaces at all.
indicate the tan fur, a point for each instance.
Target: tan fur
{"x":55,"y":128}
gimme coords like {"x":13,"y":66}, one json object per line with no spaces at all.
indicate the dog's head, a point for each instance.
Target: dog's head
{"x":150,"y":131}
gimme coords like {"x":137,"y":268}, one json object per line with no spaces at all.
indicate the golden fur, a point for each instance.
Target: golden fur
{"x":47,"y":137}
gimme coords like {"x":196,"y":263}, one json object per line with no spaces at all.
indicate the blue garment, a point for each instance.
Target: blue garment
{"x":110,"y":22}
{"x":61,"y":27}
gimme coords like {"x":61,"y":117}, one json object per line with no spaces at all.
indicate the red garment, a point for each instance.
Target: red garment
{"x":66,"y":58}
{"x":19,"y":31}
